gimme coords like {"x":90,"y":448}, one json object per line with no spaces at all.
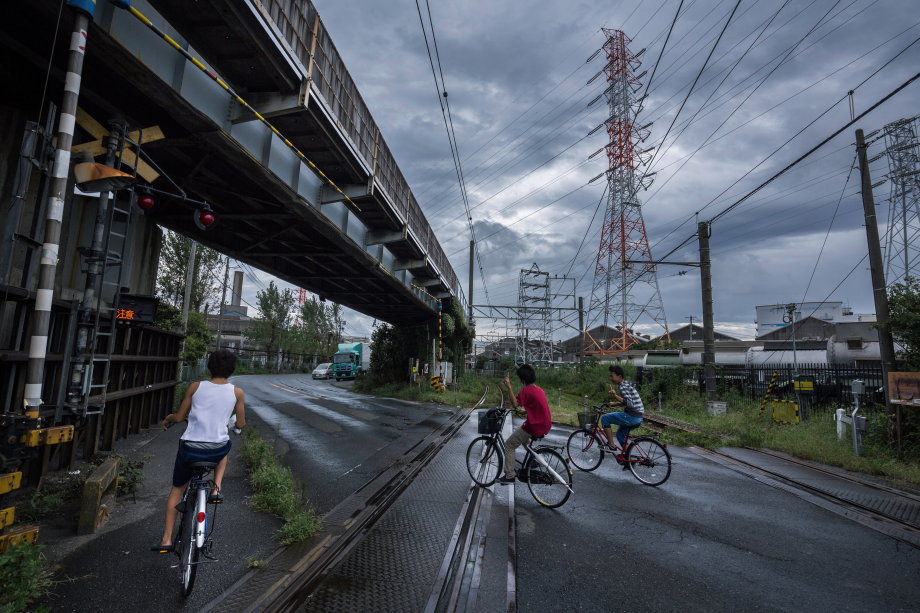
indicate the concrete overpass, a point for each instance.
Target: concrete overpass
{"x":274,"y":211}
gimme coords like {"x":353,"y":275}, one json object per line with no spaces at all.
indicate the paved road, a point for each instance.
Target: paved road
{"x":335,"y":440}
{"x":710,"y":539}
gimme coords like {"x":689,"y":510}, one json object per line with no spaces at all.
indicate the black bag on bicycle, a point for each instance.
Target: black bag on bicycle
{"x":490,"y":421}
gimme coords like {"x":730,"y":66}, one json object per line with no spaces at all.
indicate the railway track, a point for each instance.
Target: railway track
{"x":299,"y":570}
{"x":881,"y":507}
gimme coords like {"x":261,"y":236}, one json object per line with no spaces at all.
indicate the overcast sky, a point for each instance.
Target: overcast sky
{"x":516,"y":74}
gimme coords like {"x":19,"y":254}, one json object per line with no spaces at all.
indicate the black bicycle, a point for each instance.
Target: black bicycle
{"x":193,"y":538}
{"x":545,"y":471}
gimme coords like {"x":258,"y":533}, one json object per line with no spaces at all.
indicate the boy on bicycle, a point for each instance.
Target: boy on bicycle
{"x":207,"y":405}
{"x":539,"y":419}
{"x":633,"y":409}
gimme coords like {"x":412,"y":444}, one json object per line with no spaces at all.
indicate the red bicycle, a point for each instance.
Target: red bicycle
{"x":647,"y":458}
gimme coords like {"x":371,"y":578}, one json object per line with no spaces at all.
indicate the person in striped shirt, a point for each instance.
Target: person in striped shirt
{"x":630,"y":416}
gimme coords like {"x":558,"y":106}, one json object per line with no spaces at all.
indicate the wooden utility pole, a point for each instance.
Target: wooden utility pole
{"x":709,"y":351}
{"x":876,"y":264}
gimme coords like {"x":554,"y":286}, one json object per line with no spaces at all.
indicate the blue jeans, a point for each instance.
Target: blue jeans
{"x":626,"y":422}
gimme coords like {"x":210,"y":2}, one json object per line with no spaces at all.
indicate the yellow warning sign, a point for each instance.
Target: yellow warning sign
{"x":784,"y":411}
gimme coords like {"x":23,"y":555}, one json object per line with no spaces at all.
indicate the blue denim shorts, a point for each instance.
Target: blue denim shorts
{"x":186,"y":456}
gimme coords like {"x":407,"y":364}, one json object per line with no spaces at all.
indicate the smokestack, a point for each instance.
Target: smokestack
{"x":236,"y":295}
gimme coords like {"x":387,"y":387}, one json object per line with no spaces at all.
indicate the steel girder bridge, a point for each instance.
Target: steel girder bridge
{"x":339,"y":220}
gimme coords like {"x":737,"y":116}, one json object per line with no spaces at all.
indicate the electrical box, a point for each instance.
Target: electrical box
{"x":804,"y":384}
{"x":858,"y":387}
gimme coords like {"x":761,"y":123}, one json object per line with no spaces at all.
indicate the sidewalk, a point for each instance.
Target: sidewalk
{"x":113,"y":569}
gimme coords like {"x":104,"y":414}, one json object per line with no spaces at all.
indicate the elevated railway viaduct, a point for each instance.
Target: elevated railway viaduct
{"x":304,"y":188}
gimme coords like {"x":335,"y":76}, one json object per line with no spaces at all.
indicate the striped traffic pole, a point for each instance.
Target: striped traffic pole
{"x":41,"y":318}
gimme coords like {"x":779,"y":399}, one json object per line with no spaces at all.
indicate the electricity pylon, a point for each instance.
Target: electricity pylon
{"x":902,"y":246}
{"x":625,"y":286}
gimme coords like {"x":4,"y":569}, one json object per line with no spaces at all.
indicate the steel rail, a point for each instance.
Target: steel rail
{"x":872,"y":512}
{"x":299,"y":589}
{"x":461,"y":565}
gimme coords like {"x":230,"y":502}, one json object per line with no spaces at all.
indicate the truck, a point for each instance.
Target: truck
{"x":350,"y":359}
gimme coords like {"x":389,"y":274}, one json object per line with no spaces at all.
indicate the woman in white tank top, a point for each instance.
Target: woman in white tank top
{"x":207,"y":406}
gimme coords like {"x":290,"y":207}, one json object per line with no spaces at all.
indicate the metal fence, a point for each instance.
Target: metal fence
{"x":832,"y":383}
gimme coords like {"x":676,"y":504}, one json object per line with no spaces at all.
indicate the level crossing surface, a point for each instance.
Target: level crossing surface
{"x":711,"y":538}
{"x":714,"y":537}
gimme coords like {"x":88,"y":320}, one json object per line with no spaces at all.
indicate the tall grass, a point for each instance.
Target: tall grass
{"x":277,"y":491}
{"x":814,"y":439}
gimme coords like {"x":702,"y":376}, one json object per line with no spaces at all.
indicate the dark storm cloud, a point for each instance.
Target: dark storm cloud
{"x":502,"y":58}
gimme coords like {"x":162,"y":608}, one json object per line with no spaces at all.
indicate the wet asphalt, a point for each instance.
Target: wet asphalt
{"x":710,"y":539}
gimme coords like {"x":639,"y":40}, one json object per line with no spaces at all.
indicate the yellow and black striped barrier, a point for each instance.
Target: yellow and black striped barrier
{"x":437,"y":383}
{"x":763,"y":403}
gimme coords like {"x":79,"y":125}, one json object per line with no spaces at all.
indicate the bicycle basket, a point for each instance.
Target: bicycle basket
{"x":587,"y":419}
{"x":490,"y":421}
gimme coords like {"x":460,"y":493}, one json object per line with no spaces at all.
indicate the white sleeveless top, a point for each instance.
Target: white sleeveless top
{"x":212,"y":405}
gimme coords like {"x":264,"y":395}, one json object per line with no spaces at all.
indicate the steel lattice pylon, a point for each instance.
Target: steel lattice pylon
{"x":902,"y":244}
{"x":623,"y":292}
{"x":534,"y":330}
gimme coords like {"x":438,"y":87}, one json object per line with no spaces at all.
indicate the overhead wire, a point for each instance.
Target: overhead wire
{"x":449,"y":127}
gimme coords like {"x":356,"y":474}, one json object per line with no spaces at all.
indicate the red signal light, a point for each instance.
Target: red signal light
{"x":146,"y":202}
{"x":206,"y":218}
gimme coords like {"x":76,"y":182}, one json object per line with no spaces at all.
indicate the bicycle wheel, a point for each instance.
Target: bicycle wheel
{"x":484,"y":460}
{"x":543,"y":485}
{"x":584,"y":450}
{"x":188,"y":549}
{"x":649,"y":460}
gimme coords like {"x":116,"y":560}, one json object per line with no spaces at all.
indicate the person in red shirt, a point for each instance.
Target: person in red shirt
{"x":539,"y":420}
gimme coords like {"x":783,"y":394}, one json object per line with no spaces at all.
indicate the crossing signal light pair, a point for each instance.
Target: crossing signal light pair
{"x":204,"y":218}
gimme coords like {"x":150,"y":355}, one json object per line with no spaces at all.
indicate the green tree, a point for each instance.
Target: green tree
{"x":198,"y":336}
{"x":270,"y":330}
{"x":319,"y":329}
{"x":904,"y":309}
{"x":207,"y":275}
{"x":391,"y":349}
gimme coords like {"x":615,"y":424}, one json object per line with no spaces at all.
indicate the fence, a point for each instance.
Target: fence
{"x":831,"y":383}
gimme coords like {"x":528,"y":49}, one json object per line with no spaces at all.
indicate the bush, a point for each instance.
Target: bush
{"x":23,"y":576}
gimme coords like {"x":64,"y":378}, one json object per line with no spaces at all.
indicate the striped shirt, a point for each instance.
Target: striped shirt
{"x":630,"y":394}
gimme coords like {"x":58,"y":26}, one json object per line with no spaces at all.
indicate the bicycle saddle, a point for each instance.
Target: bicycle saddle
{"x":203,"y":464}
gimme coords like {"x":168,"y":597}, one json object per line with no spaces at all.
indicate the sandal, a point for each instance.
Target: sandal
{"x":216,"y":498}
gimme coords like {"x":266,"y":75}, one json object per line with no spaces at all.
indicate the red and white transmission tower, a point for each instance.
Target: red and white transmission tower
{"x":625,"y":288}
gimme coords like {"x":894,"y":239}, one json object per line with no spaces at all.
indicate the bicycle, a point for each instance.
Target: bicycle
{"x":193,"y":537}
{"x":647,"y":458}
{"x":545,"y":471}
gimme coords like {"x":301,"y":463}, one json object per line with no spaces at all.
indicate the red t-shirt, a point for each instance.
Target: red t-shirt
{"x":539,"y":419}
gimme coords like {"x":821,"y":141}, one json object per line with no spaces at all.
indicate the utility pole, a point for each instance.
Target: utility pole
{"x":790,"y":318}
{"x":470,"y":304}
{"x":691,"y":326}
{"x":189,"y":273}
{"x":709,"y":352}
{"x":876,"y":265}
{"x":41,"y":318}
{"x":223,"y":297}
{"x":186,"y":298}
